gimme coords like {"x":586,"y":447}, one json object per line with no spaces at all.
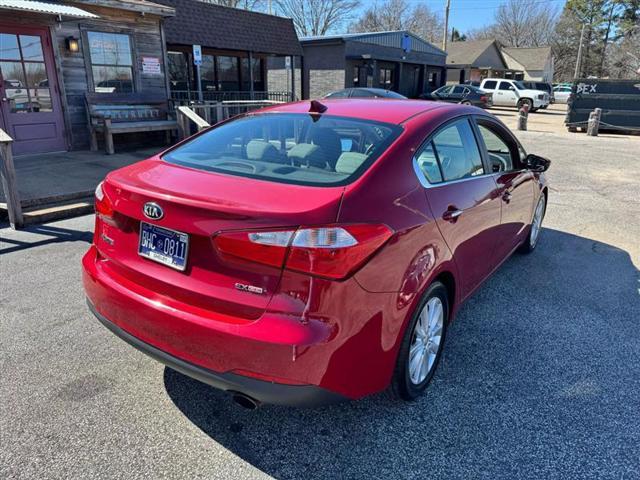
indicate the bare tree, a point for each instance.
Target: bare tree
{"x":520,"y":23}
{"x":399,"y":15}
{"x":256,"y":5}
{"x":317,"y":17}
{"x":565,"y":46}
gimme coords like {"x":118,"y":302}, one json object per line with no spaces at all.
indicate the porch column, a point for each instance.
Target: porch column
{"x":251,"y":94}
{"x":293,"y":78}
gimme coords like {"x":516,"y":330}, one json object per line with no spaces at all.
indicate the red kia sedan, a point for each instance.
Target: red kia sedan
{"x":312,"y":252}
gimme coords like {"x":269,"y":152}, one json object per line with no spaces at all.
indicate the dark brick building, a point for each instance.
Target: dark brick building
{"x":243,"y":53}
{"x":398,"y":61}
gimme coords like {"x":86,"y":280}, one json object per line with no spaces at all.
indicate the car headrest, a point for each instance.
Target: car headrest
{"x":307,"y":154}
{"x":262,"y":151}
{"x":330,"y":143}
{"x":349,"y":162}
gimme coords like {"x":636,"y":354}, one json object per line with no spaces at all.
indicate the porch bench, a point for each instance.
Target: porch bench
{"x":116,"y":113}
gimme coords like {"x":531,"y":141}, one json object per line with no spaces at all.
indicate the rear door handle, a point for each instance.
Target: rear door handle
{"x":451,"y":215}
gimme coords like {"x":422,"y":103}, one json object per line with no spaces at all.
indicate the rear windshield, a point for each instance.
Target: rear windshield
{"x":289,"y":148}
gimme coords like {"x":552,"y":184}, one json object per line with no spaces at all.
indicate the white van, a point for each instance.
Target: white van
{"x":512,"y":93}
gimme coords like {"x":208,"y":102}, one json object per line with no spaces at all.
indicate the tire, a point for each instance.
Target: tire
{"x":407,"y":383}
{"x":465,"y":102}
{"x":525,"y":101}
{"x":531,"y":242}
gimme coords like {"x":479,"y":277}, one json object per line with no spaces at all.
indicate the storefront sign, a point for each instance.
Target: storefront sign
{"x":197,"y":55}
{"x":151,"y":66}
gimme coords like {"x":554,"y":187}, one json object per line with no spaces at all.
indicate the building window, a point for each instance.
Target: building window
{"x":228,"y":74}
{"x":24,"y":74}
{"x":386,"y":78}
{"x":179,"y":70}
{"x":111,"y":62}
{"x":208,"y":73}
{"x":256,"y":63}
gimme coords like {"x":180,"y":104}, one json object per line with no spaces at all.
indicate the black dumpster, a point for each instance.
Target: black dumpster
{"x":618,"y":99}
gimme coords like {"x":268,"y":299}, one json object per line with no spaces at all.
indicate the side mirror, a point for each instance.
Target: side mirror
{"x":536,"y":163}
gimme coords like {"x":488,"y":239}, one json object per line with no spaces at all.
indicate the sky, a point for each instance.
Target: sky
{"x":466,"y":15}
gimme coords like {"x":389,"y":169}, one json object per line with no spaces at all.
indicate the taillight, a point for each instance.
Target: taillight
{"x":104,"y":207}
{"x":332,"y":251}
{"x":483,"y":98}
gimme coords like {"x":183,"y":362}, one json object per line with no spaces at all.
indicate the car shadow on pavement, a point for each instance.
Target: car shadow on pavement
{"x":538,"y":379}
{"x":42,"y":235}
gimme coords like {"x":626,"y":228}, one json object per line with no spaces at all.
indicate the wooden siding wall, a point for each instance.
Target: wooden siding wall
{"x":146,"y":40}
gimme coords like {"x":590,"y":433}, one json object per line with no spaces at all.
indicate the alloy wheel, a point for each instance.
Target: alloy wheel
{"x":426,"y":340}
{"x":537,"y":221}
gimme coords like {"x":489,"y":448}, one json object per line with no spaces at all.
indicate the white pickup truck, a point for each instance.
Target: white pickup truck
{"x":512,"y":93}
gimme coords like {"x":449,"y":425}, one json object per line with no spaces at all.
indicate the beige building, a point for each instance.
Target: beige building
{"x":479,"y":59}
{"x":536,"y":63}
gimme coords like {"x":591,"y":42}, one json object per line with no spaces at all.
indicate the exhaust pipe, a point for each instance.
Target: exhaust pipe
{"x":245,"y":400}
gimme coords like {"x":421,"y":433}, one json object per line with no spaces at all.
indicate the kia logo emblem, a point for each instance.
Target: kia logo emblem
{"x":153,"y":211}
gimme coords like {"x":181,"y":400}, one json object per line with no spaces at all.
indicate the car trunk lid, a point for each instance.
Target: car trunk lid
{"x":201,"y":204}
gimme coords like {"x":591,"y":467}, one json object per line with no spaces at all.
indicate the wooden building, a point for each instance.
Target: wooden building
{"x":51,"y":54}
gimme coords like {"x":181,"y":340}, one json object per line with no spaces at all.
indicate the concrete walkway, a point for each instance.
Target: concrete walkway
{"x":45,"y":177}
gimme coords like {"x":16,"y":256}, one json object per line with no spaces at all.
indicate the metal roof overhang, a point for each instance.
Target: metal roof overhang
{"x":46,"y":8}
{"x":393,"y":58}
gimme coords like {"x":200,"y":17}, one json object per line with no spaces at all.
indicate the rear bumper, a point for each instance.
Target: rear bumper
{"x":321,"y":354}
{"x":264,"y":392}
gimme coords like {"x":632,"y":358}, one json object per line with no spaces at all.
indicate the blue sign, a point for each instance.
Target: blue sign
{"x":406,"y":43}
{"x":197,"y":55}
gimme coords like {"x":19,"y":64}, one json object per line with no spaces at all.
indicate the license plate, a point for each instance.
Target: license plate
{"x":163,"y":245}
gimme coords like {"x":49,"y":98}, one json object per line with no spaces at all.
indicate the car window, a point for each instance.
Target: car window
{"x":443,"y":90}
{"x":428,"y":163}
{"x":457,"y":151}
{"x":490,"y":85}
{"x":498,"y":150}
{"x":392,"y":94}
{"x":505,"y":86}
{"x":288,"y":148}
{"x":338,"y":94}
{"x":360,"y":93}
{"x":458,"y":89}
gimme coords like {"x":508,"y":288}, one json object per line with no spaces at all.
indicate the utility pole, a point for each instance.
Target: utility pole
{"x":446,"y":26}
{"x":579,"y":59}
{"x":269,"y":8}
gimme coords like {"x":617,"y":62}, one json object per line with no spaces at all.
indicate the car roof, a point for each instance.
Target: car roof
{"x":386,"y":110}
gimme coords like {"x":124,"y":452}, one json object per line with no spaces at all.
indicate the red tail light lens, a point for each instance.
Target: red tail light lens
{"x":483,"y":98}
{"x":104,"y":208}
{"x":332,"y":251}
{"x":269,"y":248}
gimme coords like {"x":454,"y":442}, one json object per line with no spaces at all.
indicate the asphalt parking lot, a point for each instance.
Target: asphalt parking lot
{"x":540,"y":377}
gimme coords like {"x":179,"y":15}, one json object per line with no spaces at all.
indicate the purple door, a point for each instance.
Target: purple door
{"x":30,"y":110}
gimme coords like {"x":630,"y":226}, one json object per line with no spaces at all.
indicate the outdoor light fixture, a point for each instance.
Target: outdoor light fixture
{"x":72,"y":44}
